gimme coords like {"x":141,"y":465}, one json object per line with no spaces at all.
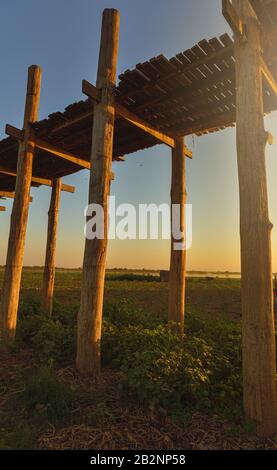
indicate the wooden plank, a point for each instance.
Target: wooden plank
{"x":258,"y":336}
{"x":41,"y":181}
{"x":51,"y":246}
{"x":41,"y":144}
{"x":225,"y":51}
{"x":211,"y":103}
{"x":186,"y":93}
{"x":88,"y":361}
{"x":19,"y":216}
{"x":89,"y":90}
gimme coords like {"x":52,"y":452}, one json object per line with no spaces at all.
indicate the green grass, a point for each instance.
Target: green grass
{"x":44,"y":397}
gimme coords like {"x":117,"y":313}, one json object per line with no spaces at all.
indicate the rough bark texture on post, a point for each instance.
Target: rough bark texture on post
{"x":258,"y":342}
{"x":19,"y":216}
{"x":177,"y":275}
{"x":50,"y":257}
{"x":90,"y":313}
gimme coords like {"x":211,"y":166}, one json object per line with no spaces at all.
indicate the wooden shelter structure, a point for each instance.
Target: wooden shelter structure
{"x":209,"y":87}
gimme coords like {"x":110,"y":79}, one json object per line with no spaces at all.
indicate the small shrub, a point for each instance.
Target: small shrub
{"x":45,"y":398}
{"x":29,"y":308}
{"x":177,"y":373}
{"x":52,"y":340}
{"x":66,"y":314}
{"x":158,"y":367}
{"x":123,"y":314}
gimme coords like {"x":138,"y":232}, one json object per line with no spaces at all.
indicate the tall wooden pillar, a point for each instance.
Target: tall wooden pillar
{"x":50,"y":257}
{"x":258,"y":342}
{"x":19,"y":216}
{"x":177,"y":275}
{"x":90,"y":313}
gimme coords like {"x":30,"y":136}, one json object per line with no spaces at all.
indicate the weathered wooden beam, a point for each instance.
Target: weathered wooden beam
{"x":58,"y":152}
{"x":177,"y":274}
{"x":267,"y":75}
{"x":42,"y":181}
{"x":258,"y":338}
{"x":19,"y":216}
{"x":11,"y":195}
{"x":235,"y":22}
{"x":91,"y":91}
{"x":94,"y":265}
{"x":50,"y":257}
{"x":8,"y":194}
{"x":14,"y":132}
{"x":41,"y":144}
{"x":149,"y":129}
{"x":2,"y":209}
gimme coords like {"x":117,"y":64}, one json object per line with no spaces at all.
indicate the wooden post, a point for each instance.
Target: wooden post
{"x":50,"y":257}
{"x":19,"y":216}
{"x":177,"y":275}
{"x":90,"y":314}
{"x":258,"y":342}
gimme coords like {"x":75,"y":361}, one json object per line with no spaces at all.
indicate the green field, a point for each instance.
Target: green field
{"x":156,"y":390}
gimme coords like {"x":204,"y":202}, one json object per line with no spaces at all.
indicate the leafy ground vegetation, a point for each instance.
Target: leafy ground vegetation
{"x":156,"y":390}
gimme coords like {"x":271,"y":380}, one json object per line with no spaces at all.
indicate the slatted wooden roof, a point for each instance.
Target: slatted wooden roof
{"x":191,"y":93}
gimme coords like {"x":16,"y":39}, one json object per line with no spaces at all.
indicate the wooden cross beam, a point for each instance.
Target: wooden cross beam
{"x":2,"y":209}
{"x":42,"y":181}
{"x":43,"y":145}
{"x":95,"y":94}
{"x":231,"y":16}
{"x":268,"y":35}
{"x":10,"y":194}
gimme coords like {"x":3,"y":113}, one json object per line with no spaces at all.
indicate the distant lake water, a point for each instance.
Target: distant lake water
{"x":218,"y":275}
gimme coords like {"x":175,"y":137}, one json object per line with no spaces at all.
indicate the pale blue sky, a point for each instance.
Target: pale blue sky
{"x":62,"y":36}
